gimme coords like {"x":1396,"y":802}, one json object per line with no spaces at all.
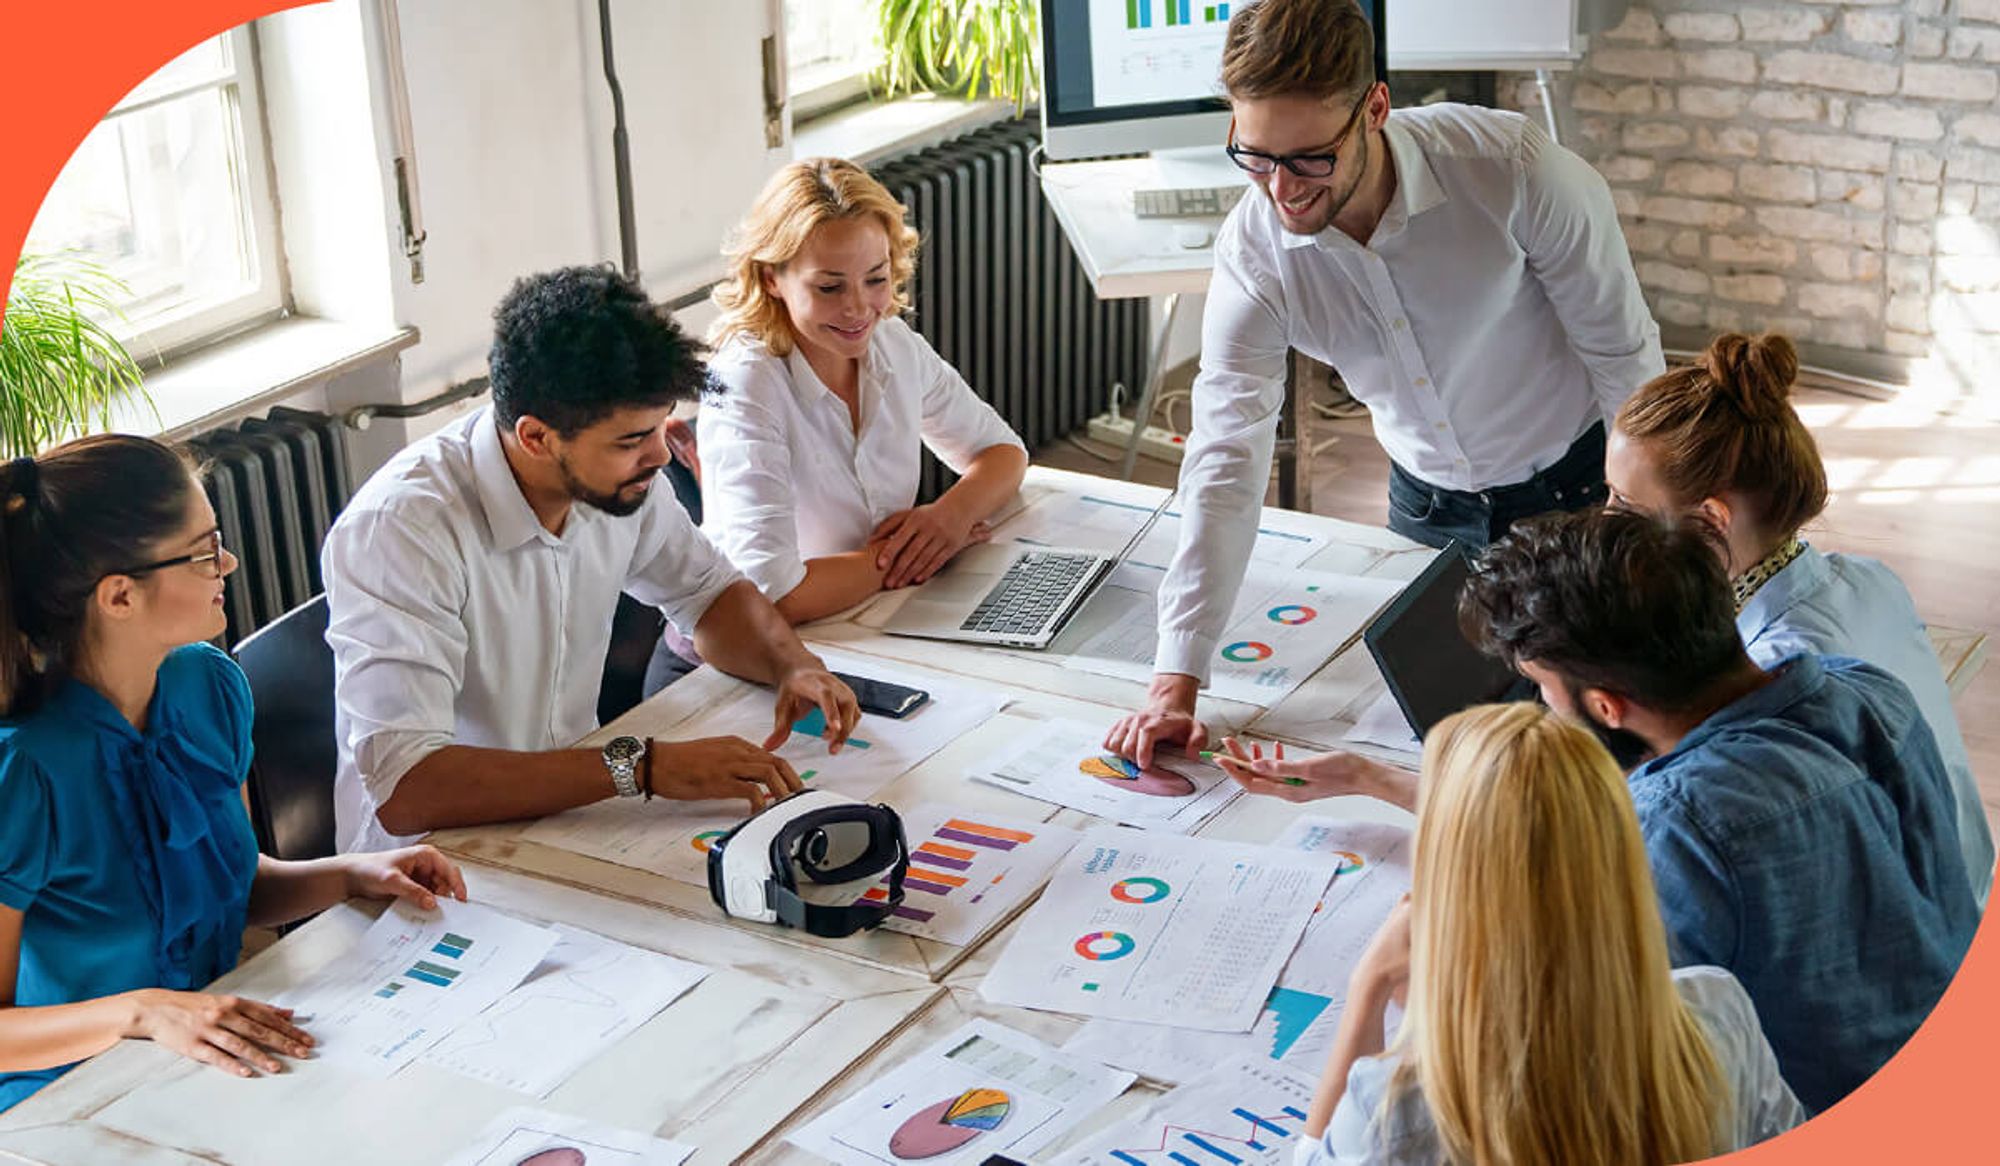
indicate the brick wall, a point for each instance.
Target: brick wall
{"x":1831,"y":170}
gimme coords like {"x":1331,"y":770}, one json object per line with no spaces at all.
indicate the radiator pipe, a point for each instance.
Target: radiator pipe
{"x":621,"y":150}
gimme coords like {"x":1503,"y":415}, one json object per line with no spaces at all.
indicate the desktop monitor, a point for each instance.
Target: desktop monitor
{"x":1132,"y":76}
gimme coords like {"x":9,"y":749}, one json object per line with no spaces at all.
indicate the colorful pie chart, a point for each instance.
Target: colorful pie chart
{"x":1140,"y":889}
{"x":706,"y":839}
{"x":1349,"y":862}
{"x":1105,"y":945}
{"x":555,"y":1156}
{"x":1292,"y":613}
{"x":1114,"y":770}
{"x":944,"y":1127}
{"x":1247,"y":652}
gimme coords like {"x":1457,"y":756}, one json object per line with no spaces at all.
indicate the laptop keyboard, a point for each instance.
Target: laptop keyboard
{"x":1027,"y":596}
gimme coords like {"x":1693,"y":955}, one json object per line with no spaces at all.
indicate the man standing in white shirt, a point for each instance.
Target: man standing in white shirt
{"x":1465,"y":274}
{"x":470,"y":597}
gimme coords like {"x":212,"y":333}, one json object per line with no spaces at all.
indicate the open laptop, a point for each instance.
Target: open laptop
{"x":1431,"y":668}
{"x":1015,"y":594}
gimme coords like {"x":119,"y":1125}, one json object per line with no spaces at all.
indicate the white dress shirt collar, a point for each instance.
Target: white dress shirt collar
{"x":510,"y":521}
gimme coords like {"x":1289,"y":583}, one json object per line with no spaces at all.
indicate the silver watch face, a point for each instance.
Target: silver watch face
{"x":623,"y":749}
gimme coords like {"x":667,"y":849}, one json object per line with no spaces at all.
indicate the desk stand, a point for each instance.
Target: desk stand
{"x":1156,"y":371}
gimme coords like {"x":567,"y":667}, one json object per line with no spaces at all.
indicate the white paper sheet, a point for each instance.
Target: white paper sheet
{"x":672,"y":838}
{"x":586,"y":995}
{"x":1383,"y":724}
{"x":525,"y":1136}
{"x":1065,"y":762}
{"x":411,"y":979}
{"x":970,"y":871}
{"x":1286,"y":623}
{"x":1152,"y":927}
{"x":984,"y":1089}
{"x":1246,"y":1111}
{"x":1091,"y":522}
{"x":1301,"y":1014}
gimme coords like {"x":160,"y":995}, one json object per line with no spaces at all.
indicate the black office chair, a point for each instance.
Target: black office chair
{"x":290,"y":668}
{"x":635,"y":629}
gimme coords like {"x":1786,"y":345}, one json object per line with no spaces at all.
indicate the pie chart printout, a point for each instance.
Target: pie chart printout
{"x":951,"y":1123}
{"x":556,"y":1156}
{"x":1119,"y":773}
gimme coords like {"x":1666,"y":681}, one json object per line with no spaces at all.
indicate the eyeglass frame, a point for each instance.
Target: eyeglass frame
{"x":214,"y":554}
{"x":1291,"y":161}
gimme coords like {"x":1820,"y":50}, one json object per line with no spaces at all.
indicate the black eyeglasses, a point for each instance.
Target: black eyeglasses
{"x":1303,"y":165}
{"x":210,"y":560}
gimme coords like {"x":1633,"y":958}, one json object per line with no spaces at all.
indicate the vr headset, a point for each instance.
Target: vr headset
{"x":753,"y":871}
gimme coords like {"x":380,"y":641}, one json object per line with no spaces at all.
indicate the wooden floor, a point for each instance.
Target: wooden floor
{"x":1916,"y":489}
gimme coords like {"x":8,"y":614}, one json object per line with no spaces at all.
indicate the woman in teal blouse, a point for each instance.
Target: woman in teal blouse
{"x":127,"y":865}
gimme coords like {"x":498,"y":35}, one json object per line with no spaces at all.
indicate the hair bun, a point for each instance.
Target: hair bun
{"x":1754,"y":373}
{"x":23,"y":485}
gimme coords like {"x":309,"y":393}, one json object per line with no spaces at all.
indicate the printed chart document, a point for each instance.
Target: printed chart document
{"x":983,"y":1090}
{"x":524,"y":1136}
{"x":1383,"y":725}
{"x":1302,"y":1012}
{"x":968,"y":872}
{"x":1158,"y":928}
{"x":673,"y":838}
{"x":1243,"y":1113}
{"x":1065,"y":762}
{"x":1094,"y":523}
{"x":1286,"y":623}
{"x":586,"y":995}
{"x":413,"y":977}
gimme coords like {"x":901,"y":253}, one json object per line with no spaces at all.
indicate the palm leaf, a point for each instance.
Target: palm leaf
{"x":61,"y":369}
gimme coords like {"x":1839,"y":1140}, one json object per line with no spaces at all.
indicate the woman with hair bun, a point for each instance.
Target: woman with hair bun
{"x":127,"y":865}
{"x":1721,"y":441}
{"x":824,"y":399}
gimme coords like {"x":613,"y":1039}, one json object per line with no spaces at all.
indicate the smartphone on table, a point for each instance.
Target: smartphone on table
{"x":883,"y":698}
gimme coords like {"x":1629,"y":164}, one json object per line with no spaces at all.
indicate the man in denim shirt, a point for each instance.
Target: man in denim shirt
{"x":1800,"y":821}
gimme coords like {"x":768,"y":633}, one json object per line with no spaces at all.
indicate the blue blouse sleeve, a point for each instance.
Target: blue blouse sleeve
{"x":225,"y":692}
{"x":26,"y":828}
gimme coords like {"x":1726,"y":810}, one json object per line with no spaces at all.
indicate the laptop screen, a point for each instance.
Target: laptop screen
{"x":1429,"y":666}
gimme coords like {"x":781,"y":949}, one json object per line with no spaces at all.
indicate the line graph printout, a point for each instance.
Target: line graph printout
{"x":672,"y":839}
{"x":1302,"y":1013}
{"x":969,"y":871}
{"x":412,"y":978}
{"x":985,"y":1089}
{"x":1286,"y":623}
{"x":586,"y":995}
{"x":1244,"y":1113}
{"x":1065,"y":762}
{"x":524,"y":1136}
{"x":1146,"y":927}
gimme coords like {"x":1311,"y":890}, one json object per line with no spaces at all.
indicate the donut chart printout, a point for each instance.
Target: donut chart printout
{"x":1286,"y":623}
{"x":1064,"y":762}
{"x":524,"y":1136}
{"x":1140,"y":926}
{"x":985,"y":1089}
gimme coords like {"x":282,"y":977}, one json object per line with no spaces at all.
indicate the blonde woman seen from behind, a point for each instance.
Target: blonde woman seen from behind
{"x":823,"y":399}
{"x":1543,"y":1022}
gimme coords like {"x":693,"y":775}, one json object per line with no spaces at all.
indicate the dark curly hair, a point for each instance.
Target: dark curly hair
{"x":1609,"y":600}
{"x":574,"y":344}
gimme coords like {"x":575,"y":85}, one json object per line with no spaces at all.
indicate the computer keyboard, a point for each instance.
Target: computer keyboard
{"x":1028,"y":594}
{"x":1186,"y":202}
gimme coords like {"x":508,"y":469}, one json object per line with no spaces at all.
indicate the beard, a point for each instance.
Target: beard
{"x":1335,"y":204}
{"x":615,"y":503}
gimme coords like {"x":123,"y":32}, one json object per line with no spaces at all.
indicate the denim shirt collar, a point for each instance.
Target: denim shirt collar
{"x":1792,"y":680}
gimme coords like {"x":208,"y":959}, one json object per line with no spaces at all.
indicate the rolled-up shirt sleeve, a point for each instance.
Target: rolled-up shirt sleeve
{"x":957,"y":425}
{"x":1565,"y":221}
{"x":748,"y":502}
{"x":1227,"y":467}
{"x":399,"y":645}
{"x":675,"y":567}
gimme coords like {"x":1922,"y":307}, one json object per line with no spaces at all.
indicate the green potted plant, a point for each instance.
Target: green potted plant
{"x":61,"y":369}
{"x":960,"y":46}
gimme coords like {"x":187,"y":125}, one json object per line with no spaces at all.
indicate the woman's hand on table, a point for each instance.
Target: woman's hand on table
{"x":237,"y":1036}
{"x":1308,"y":779}
{"x":910,"y":545}
{"x":416,"y":874}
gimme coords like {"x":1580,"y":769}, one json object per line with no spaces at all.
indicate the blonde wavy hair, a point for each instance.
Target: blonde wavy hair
{"x":793,"y":204}
{"x":1543,"y":1024}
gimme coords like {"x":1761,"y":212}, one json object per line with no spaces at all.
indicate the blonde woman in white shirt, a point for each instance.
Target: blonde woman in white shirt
{"x":1542,"y":1021}
{"x":822,"y":399}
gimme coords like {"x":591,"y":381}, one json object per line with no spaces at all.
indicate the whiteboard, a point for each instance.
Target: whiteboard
{"x":1482,"y":34}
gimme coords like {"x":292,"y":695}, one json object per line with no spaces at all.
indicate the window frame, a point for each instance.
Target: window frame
{"x":154,"y":339}
{"x":830,"y":95}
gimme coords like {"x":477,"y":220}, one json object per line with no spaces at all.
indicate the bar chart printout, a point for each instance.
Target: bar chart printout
{"x":968,"y":872}
{"x":412,"y":978}
{"x":1247,"y":1112}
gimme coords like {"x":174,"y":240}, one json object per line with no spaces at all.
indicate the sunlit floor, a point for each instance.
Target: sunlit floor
{"x":1915,"y":489}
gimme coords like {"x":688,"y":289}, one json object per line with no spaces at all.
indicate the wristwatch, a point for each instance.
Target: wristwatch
{"x":623,"y":756}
